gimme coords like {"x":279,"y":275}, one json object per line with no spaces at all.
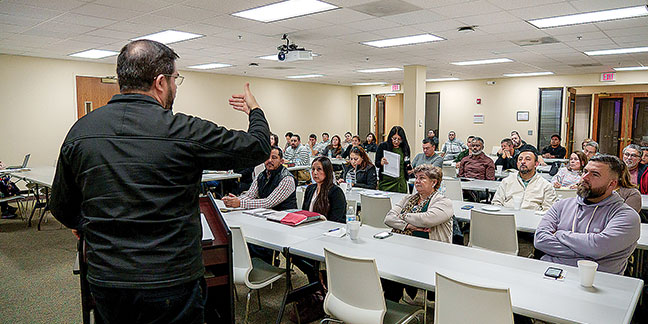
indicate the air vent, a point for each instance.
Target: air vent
{"x":384,"y":8}
{"x":585,"y":65}
{"x":538,"y":41}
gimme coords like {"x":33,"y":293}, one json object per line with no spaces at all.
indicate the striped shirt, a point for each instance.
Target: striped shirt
{"x":453,"y":147}
{"x":299,"y":156}
{"x":251,"y":199}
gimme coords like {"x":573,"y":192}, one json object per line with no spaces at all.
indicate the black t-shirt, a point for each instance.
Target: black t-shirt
{"x":558,"y":152}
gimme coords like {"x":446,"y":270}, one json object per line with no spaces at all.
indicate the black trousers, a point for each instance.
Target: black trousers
{"x":180,"y":304}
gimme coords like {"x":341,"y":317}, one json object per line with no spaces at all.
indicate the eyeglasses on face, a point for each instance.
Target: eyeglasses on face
{"x":178,"y":78}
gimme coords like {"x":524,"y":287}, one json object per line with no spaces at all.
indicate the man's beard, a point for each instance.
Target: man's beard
{"x":587,"y":192}
{"x":525,"y":170}
{"x":476,"y":153}
{"x":169,"y":100}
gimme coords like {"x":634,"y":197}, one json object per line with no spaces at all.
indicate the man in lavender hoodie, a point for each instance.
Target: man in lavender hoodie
{"x":597,"y":225}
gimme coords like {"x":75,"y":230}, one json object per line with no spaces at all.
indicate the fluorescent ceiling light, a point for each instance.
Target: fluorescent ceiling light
{"x":170,"y":36}
{"x":94,"y":54}
{"x":273,"y":57}
{"x":441,"y":79}
{"x":490,"y":61}
{"x":369,"y":83}
{"x":632,"y":68}
{"x":305,"y":76}
{"x":380,"y":70}
{"x":618,"y":51}
{"x":284,"y":10}
{"x":209,"y":66}
{"x":407,"y":40}
{"x":527,"y":74}
{"x":590,"y":17}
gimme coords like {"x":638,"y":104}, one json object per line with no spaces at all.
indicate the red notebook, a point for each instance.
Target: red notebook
{"x":300,"y":217}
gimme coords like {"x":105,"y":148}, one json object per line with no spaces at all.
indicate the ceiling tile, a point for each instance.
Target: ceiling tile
{"x":544,"y":11}
{"x":83,"y":20}
{"x":107,"y":12}
{"x":480,"y":7}
{"x":595,"y":5}
{"x":186,"y":13}
{"x":15,"y":9}
{"x":137,"y":5}
{"x":415,"y":17}
{"x":61,"y":5}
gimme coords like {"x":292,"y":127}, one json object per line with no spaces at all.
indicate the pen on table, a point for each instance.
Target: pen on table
{"x":333,"y":230}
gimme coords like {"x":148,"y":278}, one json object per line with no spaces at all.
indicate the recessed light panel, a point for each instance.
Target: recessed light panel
{"x":379,"y":70}
{"x":632,"y":68}
{"x":170,"y":36}
{"x":285,"y":10}
{"x":489,"y":61}
{"x":94,"y":54}
{"x":527,"y":74}
{"x":369,"y":83}
{"x":305,"y":76}
{"x":407,"y":40}
{"x":441,"y":79}
{"x":590,"y":17}
{"x":209,"y":66}
{"x":618,"y":51}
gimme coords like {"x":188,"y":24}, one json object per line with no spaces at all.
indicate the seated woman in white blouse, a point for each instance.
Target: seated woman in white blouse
{"x":569,"y":176}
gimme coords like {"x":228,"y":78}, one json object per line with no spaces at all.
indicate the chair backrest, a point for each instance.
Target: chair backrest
{"x":566,"y":193}
{"x":355,"y":294}
{"x":241,"y":256}
{"x":459,"y":302}
{"x":374,"y":210}
{"x":300,"y":198}
{"x":257,"y":170}
{"x":372,"y":156}
{"x":453,"y":189}
{"x":449,"y":171}
{"x":493,"y":231}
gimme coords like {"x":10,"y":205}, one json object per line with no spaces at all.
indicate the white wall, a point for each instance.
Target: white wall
{"x":38,"y":104}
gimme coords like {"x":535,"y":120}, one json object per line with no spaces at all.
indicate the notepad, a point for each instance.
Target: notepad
{"x":207,"y":235}
{"x":301,"y":217}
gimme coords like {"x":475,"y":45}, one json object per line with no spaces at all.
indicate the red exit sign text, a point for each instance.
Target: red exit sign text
{"x":608,"y":76}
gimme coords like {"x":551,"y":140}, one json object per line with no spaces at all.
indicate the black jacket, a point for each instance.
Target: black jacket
{"x":128,"y":176}
{"x":365,"y":178}
{"x":508,"y":163}
{"x":369,"y":147}
{"x":337,"y":201}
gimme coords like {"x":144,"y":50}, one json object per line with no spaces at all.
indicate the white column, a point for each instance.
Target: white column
{"x":414,"y":106}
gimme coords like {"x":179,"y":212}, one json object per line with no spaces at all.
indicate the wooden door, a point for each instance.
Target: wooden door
{"x":571,"y":118}
{"x":94,"y":92}
{"x":380,"y":118}
{"x":617,"y":117}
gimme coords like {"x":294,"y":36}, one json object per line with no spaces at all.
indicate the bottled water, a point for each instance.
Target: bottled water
{"x":349,"y":185}
{"x":350,"y":215}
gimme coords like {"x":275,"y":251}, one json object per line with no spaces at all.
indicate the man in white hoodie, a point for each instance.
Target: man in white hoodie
{"x":597,"y":225}
{"x":526,"y":186}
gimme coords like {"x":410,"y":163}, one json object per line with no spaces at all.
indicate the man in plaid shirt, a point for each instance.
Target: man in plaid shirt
{"x":452,"y":147}
{"x":274,"y":188}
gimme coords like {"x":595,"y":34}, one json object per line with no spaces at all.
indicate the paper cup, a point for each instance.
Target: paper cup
{"x":343,"y":186}
{"x":500,"y":168}
{"x":517,"y":202}
{"x":587,"y":271}
{"x":354,"y":229}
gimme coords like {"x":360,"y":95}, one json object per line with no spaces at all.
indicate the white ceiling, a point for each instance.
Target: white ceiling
{"x":56,"y":28}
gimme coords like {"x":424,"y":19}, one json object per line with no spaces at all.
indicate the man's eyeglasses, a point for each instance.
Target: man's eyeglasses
{"x":630,"y":155}
{"x":178,"y":78}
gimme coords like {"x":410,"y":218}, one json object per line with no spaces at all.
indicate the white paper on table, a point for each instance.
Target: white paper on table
{"x":392,"y":169}
{"x":207,"y":234}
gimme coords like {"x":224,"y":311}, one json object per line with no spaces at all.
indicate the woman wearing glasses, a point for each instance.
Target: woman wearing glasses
{"x":396,"y":143}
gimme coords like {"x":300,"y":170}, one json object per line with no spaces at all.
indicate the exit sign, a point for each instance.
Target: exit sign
{"x":607,"y":77}
{"x":395,"y":87}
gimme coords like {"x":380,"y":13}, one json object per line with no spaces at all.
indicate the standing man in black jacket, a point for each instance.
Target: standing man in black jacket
{"x":128,"y":178}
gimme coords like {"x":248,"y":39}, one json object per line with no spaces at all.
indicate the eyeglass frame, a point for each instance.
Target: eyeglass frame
{"x":631,"y":155}
{"x":176,"y":77}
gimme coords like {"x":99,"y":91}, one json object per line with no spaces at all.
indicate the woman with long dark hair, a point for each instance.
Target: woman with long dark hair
{"x":335,"y":149}
{"x":396,"y":143}
{"x":323,"y":196}
{"x":370,"y":144}
{"x":361,"y":173}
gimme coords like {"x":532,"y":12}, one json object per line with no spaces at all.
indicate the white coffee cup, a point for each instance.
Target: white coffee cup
{"x":343,"y":186}
{"x":500,"y":168}
{"x":517,"y":202}
{"x":354,"y":229}
{"x":587,"y":271}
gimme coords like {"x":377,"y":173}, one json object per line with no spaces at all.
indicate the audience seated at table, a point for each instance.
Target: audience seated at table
{"x":370,"y":144}
{"x":426,"y":214}
{"x":465,"y":152}
{"x":554,"y":150}
{"x":477,"y":165}
{"x":334,"y":150}
{"x":431,"y":134}
{"x":568,"y":176}
{"x":296,"y":152}
{"x":527,"y":186}
{"x":452,"y":147}
{"x":323,"y":197}
{"x":506,"y":155}
{"x":396,"y":143}
{"x":274,"y":188}
{"x":632,"y":158}
{"x":428,"y":156}
{"x":628,"y":191}
{"x":355,"y":142}
{"x":595,"y":226}
{"x":590,"y":149}
{"x":360,"y":172}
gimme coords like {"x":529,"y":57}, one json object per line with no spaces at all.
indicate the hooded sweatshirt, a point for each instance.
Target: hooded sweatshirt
{"x":604,"y":232}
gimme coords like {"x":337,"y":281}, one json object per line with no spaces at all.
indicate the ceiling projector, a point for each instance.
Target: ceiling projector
{"x":291,"y":53}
